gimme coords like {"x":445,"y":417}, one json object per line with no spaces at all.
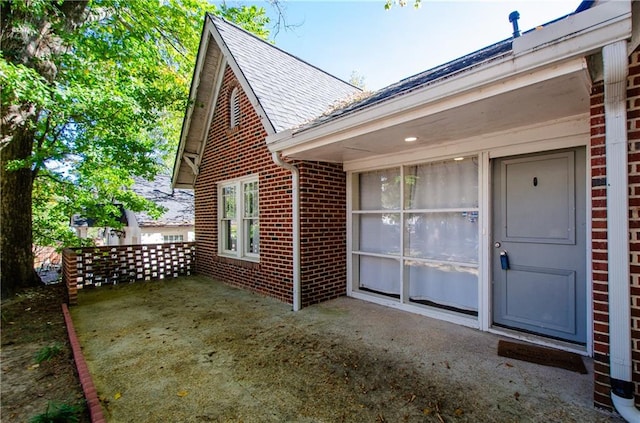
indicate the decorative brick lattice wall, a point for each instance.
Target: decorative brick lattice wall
{"x":633,"y":119}
{"x":241,"y":151}
{"x":94,"y":266}
{"x":599,"y":232}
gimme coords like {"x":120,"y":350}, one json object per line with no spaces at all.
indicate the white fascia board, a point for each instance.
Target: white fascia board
{"x":193,"y":93}
{"x":211,"y":107}
{"x":231,"y":61}
{"x":533,"y":65}
{"x":609,"y":19}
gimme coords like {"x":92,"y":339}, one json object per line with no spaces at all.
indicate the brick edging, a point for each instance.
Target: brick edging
{"x":89,"y":389}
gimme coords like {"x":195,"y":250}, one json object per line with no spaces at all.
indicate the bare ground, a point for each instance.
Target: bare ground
{"x":194,"y":350}
{"x":31,"y":321}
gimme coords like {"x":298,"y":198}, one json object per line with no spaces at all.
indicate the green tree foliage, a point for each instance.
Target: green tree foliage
{"x":402,"y":3}
{"x":93,"y":94}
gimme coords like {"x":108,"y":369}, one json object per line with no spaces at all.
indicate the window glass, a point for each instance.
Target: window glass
{"x":380,"y":275}
{"x":447,"y":285}
{"x":229,"y":202}
{"x":451,"y":236}
{"x":172,"y":238}
{"x":379,"y":233}
{"x":380,"y":190}
{"x":438,"y":185}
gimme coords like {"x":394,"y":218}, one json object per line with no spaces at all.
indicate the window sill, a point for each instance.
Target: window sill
{"x":246,"y":262}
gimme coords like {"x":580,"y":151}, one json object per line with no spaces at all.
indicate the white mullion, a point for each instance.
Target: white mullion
{"x":240,"y":219}
{"x":350,"y":233}
{"x":404,"y":284}
{"x":484,"y":254}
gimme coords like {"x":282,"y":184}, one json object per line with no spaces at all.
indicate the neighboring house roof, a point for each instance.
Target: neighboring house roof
{"x":178,"y":203}
{"x":285,"y":90}
{"x":78,"y":220}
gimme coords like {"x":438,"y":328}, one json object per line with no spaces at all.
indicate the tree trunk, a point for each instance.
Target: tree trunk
{"x":16,"y":255}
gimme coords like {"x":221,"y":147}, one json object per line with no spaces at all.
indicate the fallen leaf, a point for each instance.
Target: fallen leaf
{"x":33,"y":366}
{"x":508,"y":364}
{"x":182,"y":394}
{"x":458,"y":412}
{"x":118,"y":395}
{"x":426,"y":411}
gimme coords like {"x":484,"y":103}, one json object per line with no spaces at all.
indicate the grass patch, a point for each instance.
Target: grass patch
{"x":48,"y":352}
{"x":58,"y":413}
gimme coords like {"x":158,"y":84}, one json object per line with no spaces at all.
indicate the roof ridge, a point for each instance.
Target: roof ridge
{"x":274,"y":46}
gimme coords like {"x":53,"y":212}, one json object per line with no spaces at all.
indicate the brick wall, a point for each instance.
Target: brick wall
{"x":241,"y":151}
{"x":323,"y":231}
{"x":599,"y":232}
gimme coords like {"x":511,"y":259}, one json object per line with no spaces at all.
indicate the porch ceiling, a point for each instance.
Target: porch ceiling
{"x":555,"y":98}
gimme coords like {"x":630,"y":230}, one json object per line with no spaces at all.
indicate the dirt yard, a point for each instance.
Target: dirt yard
{"x":194,"y":350}
{"x":31,"y":322}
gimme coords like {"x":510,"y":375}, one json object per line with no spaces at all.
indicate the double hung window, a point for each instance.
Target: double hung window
{"x":239,"y":225}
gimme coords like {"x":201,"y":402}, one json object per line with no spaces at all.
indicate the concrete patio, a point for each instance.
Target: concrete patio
{"x":193,"y":349}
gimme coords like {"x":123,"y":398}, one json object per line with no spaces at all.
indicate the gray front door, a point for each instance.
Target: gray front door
{"x":539,"y":223}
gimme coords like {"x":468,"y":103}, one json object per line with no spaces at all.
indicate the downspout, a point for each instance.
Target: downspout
{"x":615,"y":108}
{"x":295,"y":209}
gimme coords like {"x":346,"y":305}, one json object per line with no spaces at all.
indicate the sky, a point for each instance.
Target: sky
{"x":385,"y":46}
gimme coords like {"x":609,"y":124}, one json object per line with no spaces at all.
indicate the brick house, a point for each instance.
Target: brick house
{"x":492,"y":191}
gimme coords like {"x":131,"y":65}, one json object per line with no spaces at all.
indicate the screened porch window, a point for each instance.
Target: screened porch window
{"x":239,"y":225}
{"x":415,"y":234}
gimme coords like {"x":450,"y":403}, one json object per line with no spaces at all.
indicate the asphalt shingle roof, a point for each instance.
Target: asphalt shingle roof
{"x":423,"y":79}
{"x":290,"y":90}
{"x":178,"y":202}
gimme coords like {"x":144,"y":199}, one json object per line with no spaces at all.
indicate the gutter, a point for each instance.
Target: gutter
{"x":295,"y":210}
{"x":615,"y":108}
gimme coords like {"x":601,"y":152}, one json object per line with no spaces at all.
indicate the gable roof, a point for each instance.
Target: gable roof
{"x":284,"y":90}
{"x":290,"y":90}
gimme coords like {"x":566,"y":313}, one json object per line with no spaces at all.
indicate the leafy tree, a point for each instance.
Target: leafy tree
{"x":402,"y":3}
{"x":93,"y":92}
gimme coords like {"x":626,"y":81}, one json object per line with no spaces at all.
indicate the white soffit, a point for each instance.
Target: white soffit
{"x":553,"y":93}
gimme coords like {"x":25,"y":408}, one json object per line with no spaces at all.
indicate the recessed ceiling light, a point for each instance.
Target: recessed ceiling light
{"x":457,"y":159}
{"x":411,"y":139}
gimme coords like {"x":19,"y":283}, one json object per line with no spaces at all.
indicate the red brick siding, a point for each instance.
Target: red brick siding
{"x":323,"y":231}
{"x":599,"y":232}
{"x":233,"y":153}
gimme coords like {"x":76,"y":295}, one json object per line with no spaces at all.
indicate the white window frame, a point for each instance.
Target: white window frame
{"x":241,"y":251}
{"x":168,"y":239}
